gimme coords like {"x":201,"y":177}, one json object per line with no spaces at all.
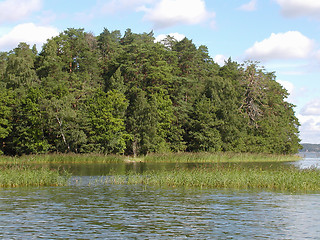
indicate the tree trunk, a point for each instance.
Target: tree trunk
{"x":134,"y":148}
{"x":62,"y":134}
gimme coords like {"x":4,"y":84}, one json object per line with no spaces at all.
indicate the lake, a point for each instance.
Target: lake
{"x":88,"y":209}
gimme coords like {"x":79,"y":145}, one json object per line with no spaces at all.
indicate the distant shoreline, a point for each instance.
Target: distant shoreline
{"x":310,"y":147}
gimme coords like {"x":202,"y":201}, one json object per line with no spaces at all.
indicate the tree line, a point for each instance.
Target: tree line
{"x":127,"y":94}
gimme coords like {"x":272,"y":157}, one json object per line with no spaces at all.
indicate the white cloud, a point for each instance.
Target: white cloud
{"x":309,"y":129}
{"x":176,"y":36}
{"x":290,"y":88}
{"x":287,"y":85}
{"x":312,"y":108}
{"x":114,"y":6}
{"x":27,"y":32}
{"x":295,"y":8}
{"x":309,"y":118}
{"x":13,"y":10}
{"x":289,"y":45}
{"x":250,"y":6}
{"x":220,"y":59}
{"x":167,"y":13}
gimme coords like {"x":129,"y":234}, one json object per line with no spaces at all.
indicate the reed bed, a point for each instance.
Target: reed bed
{"x":219,"y":157}
{"x":63,"y":158}
{"x":18,"y":176}
{"x":23,"y":171}
{"x":282,"y":179}
{"x":155,"y":158}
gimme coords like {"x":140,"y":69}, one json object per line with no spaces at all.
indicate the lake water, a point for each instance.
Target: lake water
{"x":310,"y":159}
{"x":88,"y":209}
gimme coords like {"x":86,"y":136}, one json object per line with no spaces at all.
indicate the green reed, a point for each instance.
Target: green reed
{"x":63,"y":158}
{"x":219,"y":157}
{"x":18,"y":175}
{"x":167,"y":157}
{"x":283,"y":179}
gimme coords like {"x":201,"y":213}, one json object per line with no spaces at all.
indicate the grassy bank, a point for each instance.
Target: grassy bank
{"x":63,"y":158}
{"x":283,"y":179}
{"x":169,"y":157}
{"x":18,"y":175}
{"x":22,"y":171}
{"x":219,"y":157}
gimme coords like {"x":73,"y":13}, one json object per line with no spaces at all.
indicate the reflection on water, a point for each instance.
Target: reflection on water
{"x":88,"y":209}
{"x":136,"y":212}
{"x":89,"y":169}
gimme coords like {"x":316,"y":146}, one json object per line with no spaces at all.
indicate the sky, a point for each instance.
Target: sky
{"x":282,"y":35}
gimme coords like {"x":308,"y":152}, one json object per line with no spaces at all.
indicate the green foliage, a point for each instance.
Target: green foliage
{"x":129,"y":95}
{"x":3,"y":64}
{"x":141,"y":121}
{"x":106,"y":115}
{"x":28,"y":125}
{"x":203,"y":132}
{"x":20,"y":70}
{"x":6,"y":102}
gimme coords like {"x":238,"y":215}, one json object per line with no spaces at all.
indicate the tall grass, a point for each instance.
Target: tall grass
{"x":284,"y":179}
{"x":219,"y":157}
{"x":25,"y":173}
{"x":18,"y":175}
{"x":63,"y":158}
{"x":168,"y":157}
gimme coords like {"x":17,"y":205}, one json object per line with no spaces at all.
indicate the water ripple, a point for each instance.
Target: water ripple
{"x":136,"y":212}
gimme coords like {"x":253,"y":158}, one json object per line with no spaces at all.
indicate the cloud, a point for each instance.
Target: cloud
{"x":288,"y":45}
{"x":309,"y":117}
{"x":295,"y":8}
{"x":287,"y":85}
{"x":312,"y":108}
{"x":13,"y":10}
{"x":290,"y":88}
{"x":249,"y":7}
{"x":220,"y":59}
{"x":167,"y":13}
{"x":114,"y":6}
{"x":176,"y":36}
{"x":309,"y":129}
{"x":29,"y":33}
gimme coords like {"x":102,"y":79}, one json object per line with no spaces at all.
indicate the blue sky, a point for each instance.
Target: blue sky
{"x":283,"y":35}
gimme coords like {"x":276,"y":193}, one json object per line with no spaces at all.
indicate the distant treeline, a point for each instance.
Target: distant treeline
{"x":128,"y":94}
{"x":308,"y":147}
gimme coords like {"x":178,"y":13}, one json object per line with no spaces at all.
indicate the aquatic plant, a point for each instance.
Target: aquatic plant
{"x":63,"y":158}
{"x":182,"y":157}
{"x":219,"y":157}
{"x":18,"y":175}
{"x":284,"y":179}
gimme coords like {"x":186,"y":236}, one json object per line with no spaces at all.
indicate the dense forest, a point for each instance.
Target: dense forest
{"x":127,"y":94}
